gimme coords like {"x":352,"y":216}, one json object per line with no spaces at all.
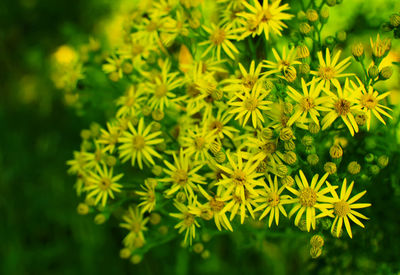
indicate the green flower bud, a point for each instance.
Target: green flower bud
{"x":375,"y":169}
{"x":386,"y":72}
{"x":369,"y":158}
{"x":395,"y":20}
{"x":354,"y":168}
{"x":331,"y":3}
{"x":313,"y":159}
{"x":305,"y":28}
{"x":373,"y":72}
{"x":312,"y":15}
{"x":383,"y":161}
{"x":341,"y":36}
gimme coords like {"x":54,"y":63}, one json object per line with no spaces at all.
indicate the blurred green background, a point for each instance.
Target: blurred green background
{"x":40,"y":231}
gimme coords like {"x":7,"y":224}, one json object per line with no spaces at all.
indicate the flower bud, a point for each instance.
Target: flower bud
{"x":315,"y":252}
{"x":157,"y":115}
{"x":312,"y":15}
{"x":114,"y":76}
{"x":136,"y":259}
{"x":155,"y":218}
{"x":386,"y":72}
{"x":313,"y":159}
{"x":301,"y":15}
{"x":330,"y":167}
{"x":307,"y":140}
{"x":341,"y":36}
{"x":317,"y":241}
{"x":290,"y":157}
{"x":289,"y":145}
{"x":305,"y":28}
{"x":324,"y":13}
{"x":220,"y":157}
{"x":313,"y":128}
{"x":146,"y":110}
{"x":287,"y":108}
{"x":395,"y":20}
{"x":303,"y":51}
{"x":361,"y":118}
{"x":127,"y":68}
{"x":354,"y":168}
{"x":282,"y":170}
{"x":287,"y":180}
{"x":86,"y":134}
{"x":198,"y":248}
{"x":82,"y":209}
{"x":336,"y":151}
{"x":215,"y":147}
{"x":157,"y":170}
{"x":330,"y":40}
{"x":125,"y":253}
{"x":205,"y":254}
{"x":373,"y":72}
{"x":375,"y":169}
{"x":304,"y":69}
{"x":100,"y":219}
{"x":383,"y":161}
{"x":369,"y":158}
{"x":331,"y":3}
{"x":286,"y":134}
{"x":111,"y":161}
{"x":357,"y":50}
{"x":290,"y":74}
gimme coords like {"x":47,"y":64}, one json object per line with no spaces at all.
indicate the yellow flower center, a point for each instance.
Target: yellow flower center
{"x":216,"y":124}
{"x":326,"y":73}
{"x":188,"y":219}
{"x":249,"y":81}
{"x":216,"y":206}
{"x":308,"y":197}
{"x":152,"y":26}
{"x":136,"y":226}
{"x":161,"y":91}
{"x":251,"y":103}
{"x":180,"y":176}
{"x":342,"y":208}
{"x":273,"y":199}
{"x":218,"y":36}
{"x":200,"y":143}
{"x":307,"y":103}
{"x":239,"y":177}
{"x":105,"y":184}
{"x":342,"y":107}
{"x":368,"y":101}
{"x":138,"y":142}
{"x":266,"y":16}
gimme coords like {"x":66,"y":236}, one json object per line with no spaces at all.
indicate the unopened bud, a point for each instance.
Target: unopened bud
{"x":305,"y":28}
{"x":336,"y":151}
{"x":354,"y":168}
{"x":373,"y":72}
{"x":357,"y":49}
{"x":312,"y":15}
{"x":383,"y":161}
{"x":395,"y":20}
{"x":303,"y":51}
{"x":386,"y":72}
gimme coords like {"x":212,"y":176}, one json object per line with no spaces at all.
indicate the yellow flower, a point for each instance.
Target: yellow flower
{"x":343,"y":208}
{"x":136,"y":224}
{"x":219,"y":125}
{"x":309,"y":198}
{"x":247,"y":80}
{"x":368,"y":102}
{"x":197,"y":142}
{"x":138,"y":144}
{"x":182,"y":175}
{"x":271,"y":201}
{"x":148,"y":196}
{"x":102,"y":184}
{"x":188,"y":221}
{"x":78,"y":165}
{"x":236,"y":203}
{"x":342,"y":104}
{"x":329,"y":69}
{"x":161,"y":90}
{"x":109,"y":137}
{"x":283,"y":63}
{"x":250,"y":103}
{"x":213,"y":208}
{"x":266,"y":18}
{"x":380,"y":47}
{"x":130,"y":102}
{"x":219,"y":37}
{"x":240,"y":176}
{"x":308,"y":103}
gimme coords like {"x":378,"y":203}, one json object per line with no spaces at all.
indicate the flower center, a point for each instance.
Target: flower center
{"x":251,"y":103}
{"x":105,"y":184}
{"x":342,"y":208}
{"x":135,"y":227}
{"x":239,"y":177}
{"x":273,"y":199}
{"x":308,"y":197}
{"x":249,"y":81}
{"x":138,"y":142}
{"x":342,"y":107}
{"x":161,"y":91}
{"x":307,"y":103}
{"x":188,"y":220}
{"x":152,"y":26}
{"x":218,"y":36}
{"x":216,"y":125}
{"x":216,"y":206}
{"x":266,"y":16}
{"x":326,"y":73}
{"x":368,"y":101}
{"x":180,"y":177}
{"x":200,"y":143}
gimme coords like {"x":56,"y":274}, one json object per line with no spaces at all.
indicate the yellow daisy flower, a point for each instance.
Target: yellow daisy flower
{"x":240,"y":176}
{"x":250,"y":104}
{"x":102,"y":184}
{"x":187,"y":221}
{"x":219,"y":38}
{"x":147,"y":196}
{"x":197,"y":143}
{"x":265,"y":19}
{"x":162,"y":86}
{"x":341,"y":104}
{"x":182,"y":175}
{"x":368,"y":102}
{"x":138,"y":144}
{"x":271,"y":201}
{"x":309,"y":197}
{"x":218,"y":124}
{"x":343,"y":209}
{"x":282,"y":63}
{"x":109,"y":137}
{"x":246,"y":81}
{"x":78,"y":164}
{"x":130,"y":102}
{"x":136,"y":224}
{"x":236,"y":203}
{"x":213,"y":208}
{"x":308,"y":103}
{"x":329,"y":69}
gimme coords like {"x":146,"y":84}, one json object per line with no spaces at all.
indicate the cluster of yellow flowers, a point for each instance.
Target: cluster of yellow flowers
{"x":228,"y":115}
